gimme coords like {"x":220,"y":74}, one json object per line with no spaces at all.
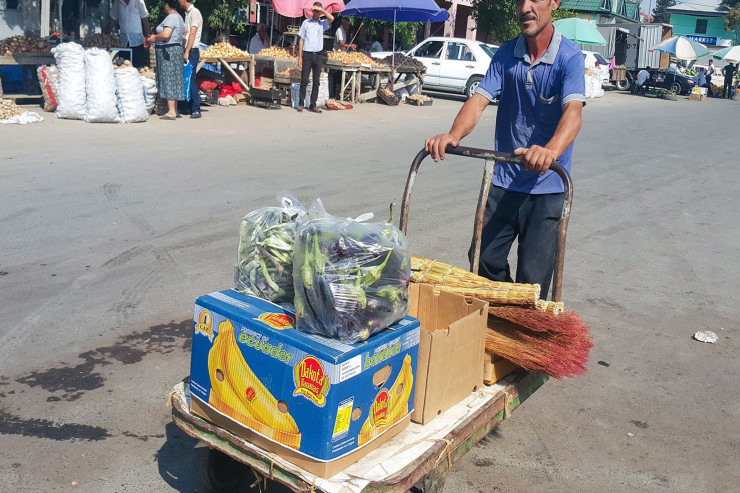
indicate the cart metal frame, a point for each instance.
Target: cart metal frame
{"x":428,"y":472}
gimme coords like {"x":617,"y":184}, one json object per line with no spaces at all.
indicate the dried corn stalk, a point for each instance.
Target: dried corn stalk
{"x":456,"y":280}
{"x":554,"y":307}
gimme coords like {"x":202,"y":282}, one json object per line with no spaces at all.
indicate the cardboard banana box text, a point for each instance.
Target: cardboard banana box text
{"x":307,"y":398}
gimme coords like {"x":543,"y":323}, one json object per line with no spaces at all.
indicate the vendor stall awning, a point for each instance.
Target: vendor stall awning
{"x":298,"y":8}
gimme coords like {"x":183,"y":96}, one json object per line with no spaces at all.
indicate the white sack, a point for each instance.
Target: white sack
{"x":150,"y":93}
{"x":100,"y":87}
{"x":130,"y":96}
{"x":70,"y":62}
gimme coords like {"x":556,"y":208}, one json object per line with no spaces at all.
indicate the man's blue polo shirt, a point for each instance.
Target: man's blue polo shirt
{"x":531,"y":99}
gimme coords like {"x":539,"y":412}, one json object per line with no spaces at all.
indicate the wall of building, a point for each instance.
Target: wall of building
{"x":686,"y":25}
{"x":11,"y":21}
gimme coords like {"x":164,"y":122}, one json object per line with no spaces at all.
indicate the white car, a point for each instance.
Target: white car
{"x":453,"y":64}
{"x":597,"y":62}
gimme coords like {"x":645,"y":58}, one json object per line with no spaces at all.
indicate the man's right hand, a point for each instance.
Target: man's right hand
{"x":436,"y":145}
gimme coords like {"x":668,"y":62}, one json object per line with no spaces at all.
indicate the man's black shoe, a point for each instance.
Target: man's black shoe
{"x":195,"y":114}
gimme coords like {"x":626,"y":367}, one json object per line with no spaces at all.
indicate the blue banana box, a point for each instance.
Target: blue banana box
{"x":318,"y":402}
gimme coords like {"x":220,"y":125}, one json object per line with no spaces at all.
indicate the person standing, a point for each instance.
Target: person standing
{"x":539,"y":81}
{"x":341,"y":37}
{"x":709,"y":73}
{"x":193,"y":33}
{"x":311,"y":53}
{"x":170,"y":55}
{"x":133,"y":19}
{"x":728,"y":71}
{"x":259,"y":41}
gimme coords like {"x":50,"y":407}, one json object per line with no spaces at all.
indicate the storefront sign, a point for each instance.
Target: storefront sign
{"x":705,"y":40}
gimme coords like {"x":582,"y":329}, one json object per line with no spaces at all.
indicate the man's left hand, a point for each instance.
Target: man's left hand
{"x":536,"y":158}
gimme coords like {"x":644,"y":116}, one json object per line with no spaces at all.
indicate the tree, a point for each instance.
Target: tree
{"x":732,"y":21}
{"x":659,"y":12}
{"x":498,"y":18}
{"x":219,"y":15}
{"x":405,"y":31}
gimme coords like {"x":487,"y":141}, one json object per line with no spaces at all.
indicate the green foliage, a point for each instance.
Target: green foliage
{"x":499,"y":18}
{"x":405,"y":31}
{"x":732,"y":21}
{"x":156,"y":12}
{"x":659,"y":12}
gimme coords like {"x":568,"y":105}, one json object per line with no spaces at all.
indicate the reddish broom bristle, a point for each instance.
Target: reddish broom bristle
{"x":555,"y":345}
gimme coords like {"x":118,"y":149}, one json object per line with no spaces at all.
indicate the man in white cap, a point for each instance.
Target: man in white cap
{"x":311,"y":52}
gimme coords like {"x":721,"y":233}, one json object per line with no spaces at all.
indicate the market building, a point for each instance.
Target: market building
{"x":604,"y":11}
{"x":79,"y":18}
{"x":704,"y":24}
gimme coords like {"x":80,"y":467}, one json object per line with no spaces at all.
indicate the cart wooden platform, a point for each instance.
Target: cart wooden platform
{"x":418,"y":459}
{"x":422,"y":457}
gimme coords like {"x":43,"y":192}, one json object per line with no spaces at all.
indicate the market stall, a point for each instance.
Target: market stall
{"x":26,"y":52}
{"x":235,"y":62}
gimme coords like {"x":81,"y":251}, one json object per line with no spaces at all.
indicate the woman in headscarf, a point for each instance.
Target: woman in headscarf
{"x":170,"y":55}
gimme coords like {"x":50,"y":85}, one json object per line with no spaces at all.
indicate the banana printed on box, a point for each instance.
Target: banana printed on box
{"x":321,"y":397}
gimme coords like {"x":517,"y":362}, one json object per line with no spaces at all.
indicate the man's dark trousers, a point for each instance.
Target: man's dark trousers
{"x":139,"y":56}
{"x":534,"y":219}
{"x":194,"y":59}
{"x":311,"y":64}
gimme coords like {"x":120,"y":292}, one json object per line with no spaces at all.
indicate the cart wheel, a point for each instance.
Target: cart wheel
{"x":219,"y":473}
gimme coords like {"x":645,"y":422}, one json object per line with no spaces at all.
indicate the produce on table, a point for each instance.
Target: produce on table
{"x":9,"y":109}
{"x":354,"y":58}
{"x":264,"y":263}
{"x":23,"y":44}
{"x":275,"y":51}
{"x":99,"y":40}
{"x":223,"y":50}
{"x":147,"y":72}
{"x":403,"y":61}
{"x":351,"y":277}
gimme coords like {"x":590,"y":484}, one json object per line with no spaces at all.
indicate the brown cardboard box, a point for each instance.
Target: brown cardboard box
{"x":451,"y":349}
{"x":320,"y":468}
{"x":697,"y":97}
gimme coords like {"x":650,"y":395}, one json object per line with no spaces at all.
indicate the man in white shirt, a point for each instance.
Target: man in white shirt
{"x":341,"y":37}
{"x":191,"y":41}
{"x":259,"y":41}
{"x":133,"y":19}
{"x":643,"y":80}
{"x":311,"y":53}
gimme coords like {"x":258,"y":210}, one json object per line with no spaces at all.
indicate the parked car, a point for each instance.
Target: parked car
{"x":673,"y":80}
{"x":453,"y":64}
{"x":598,"y":63}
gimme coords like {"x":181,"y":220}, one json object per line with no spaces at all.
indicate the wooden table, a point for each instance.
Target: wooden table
{"x":375,"y":72}
{"x":239,"y":74}
{"x":349,"y":87}
{"x":26,"y":60}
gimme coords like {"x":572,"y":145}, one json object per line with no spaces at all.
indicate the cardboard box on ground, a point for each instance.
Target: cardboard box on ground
{"x":319,"y":403}
{"x":451,"y":349}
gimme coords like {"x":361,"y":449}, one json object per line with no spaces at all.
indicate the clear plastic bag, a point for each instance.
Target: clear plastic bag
{"x":351,"y":277}
{"x":264,"y":263}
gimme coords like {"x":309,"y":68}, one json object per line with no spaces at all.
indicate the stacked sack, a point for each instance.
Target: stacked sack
{"x":149,"y":82}
{"x":593,"y":85}
{"x":130,"y":94}
{"x":49,"y":82}
{"x":70,"y":62}
{"x":100,"y":87}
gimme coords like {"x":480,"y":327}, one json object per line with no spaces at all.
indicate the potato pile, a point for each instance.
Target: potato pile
{"x":125,"y":64}
{"x":223,"y":50}
{"x":419,"y":99}
{"x":356,"y":58}
{"x":99,"y":40}
{"x":23,"y":44}
{"x":9,"y":109}
{"x":276,"y":52}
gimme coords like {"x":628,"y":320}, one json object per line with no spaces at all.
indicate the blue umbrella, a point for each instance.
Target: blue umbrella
{"x":397,"y":11}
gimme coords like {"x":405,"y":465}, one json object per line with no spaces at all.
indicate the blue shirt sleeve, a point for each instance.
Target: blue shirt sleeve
{"x":302,"y":31}
{"x":573,"y":87}
{"x":325,"y":24}
{"x":490,"y":86}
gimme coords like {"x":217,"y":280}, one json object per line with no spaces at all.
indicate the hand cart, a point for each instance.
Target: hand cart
{"x":419,"y":458}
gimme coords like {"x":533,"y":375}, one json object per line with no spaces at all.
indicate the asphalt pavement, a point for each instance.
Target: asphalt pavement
{"x":110,"y":232}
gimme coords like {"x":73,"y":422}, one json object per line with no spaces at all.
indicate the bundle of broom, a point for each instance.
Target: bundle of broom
{"x":532,"y":333}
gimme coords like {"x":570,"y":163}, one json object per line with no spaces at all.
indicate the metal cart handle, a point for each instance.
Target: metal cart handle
{"x":491,"y":157}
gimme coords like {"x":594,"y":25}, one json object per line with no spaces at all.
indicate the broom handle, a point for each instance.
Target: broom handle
{"x":491,"y":157}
